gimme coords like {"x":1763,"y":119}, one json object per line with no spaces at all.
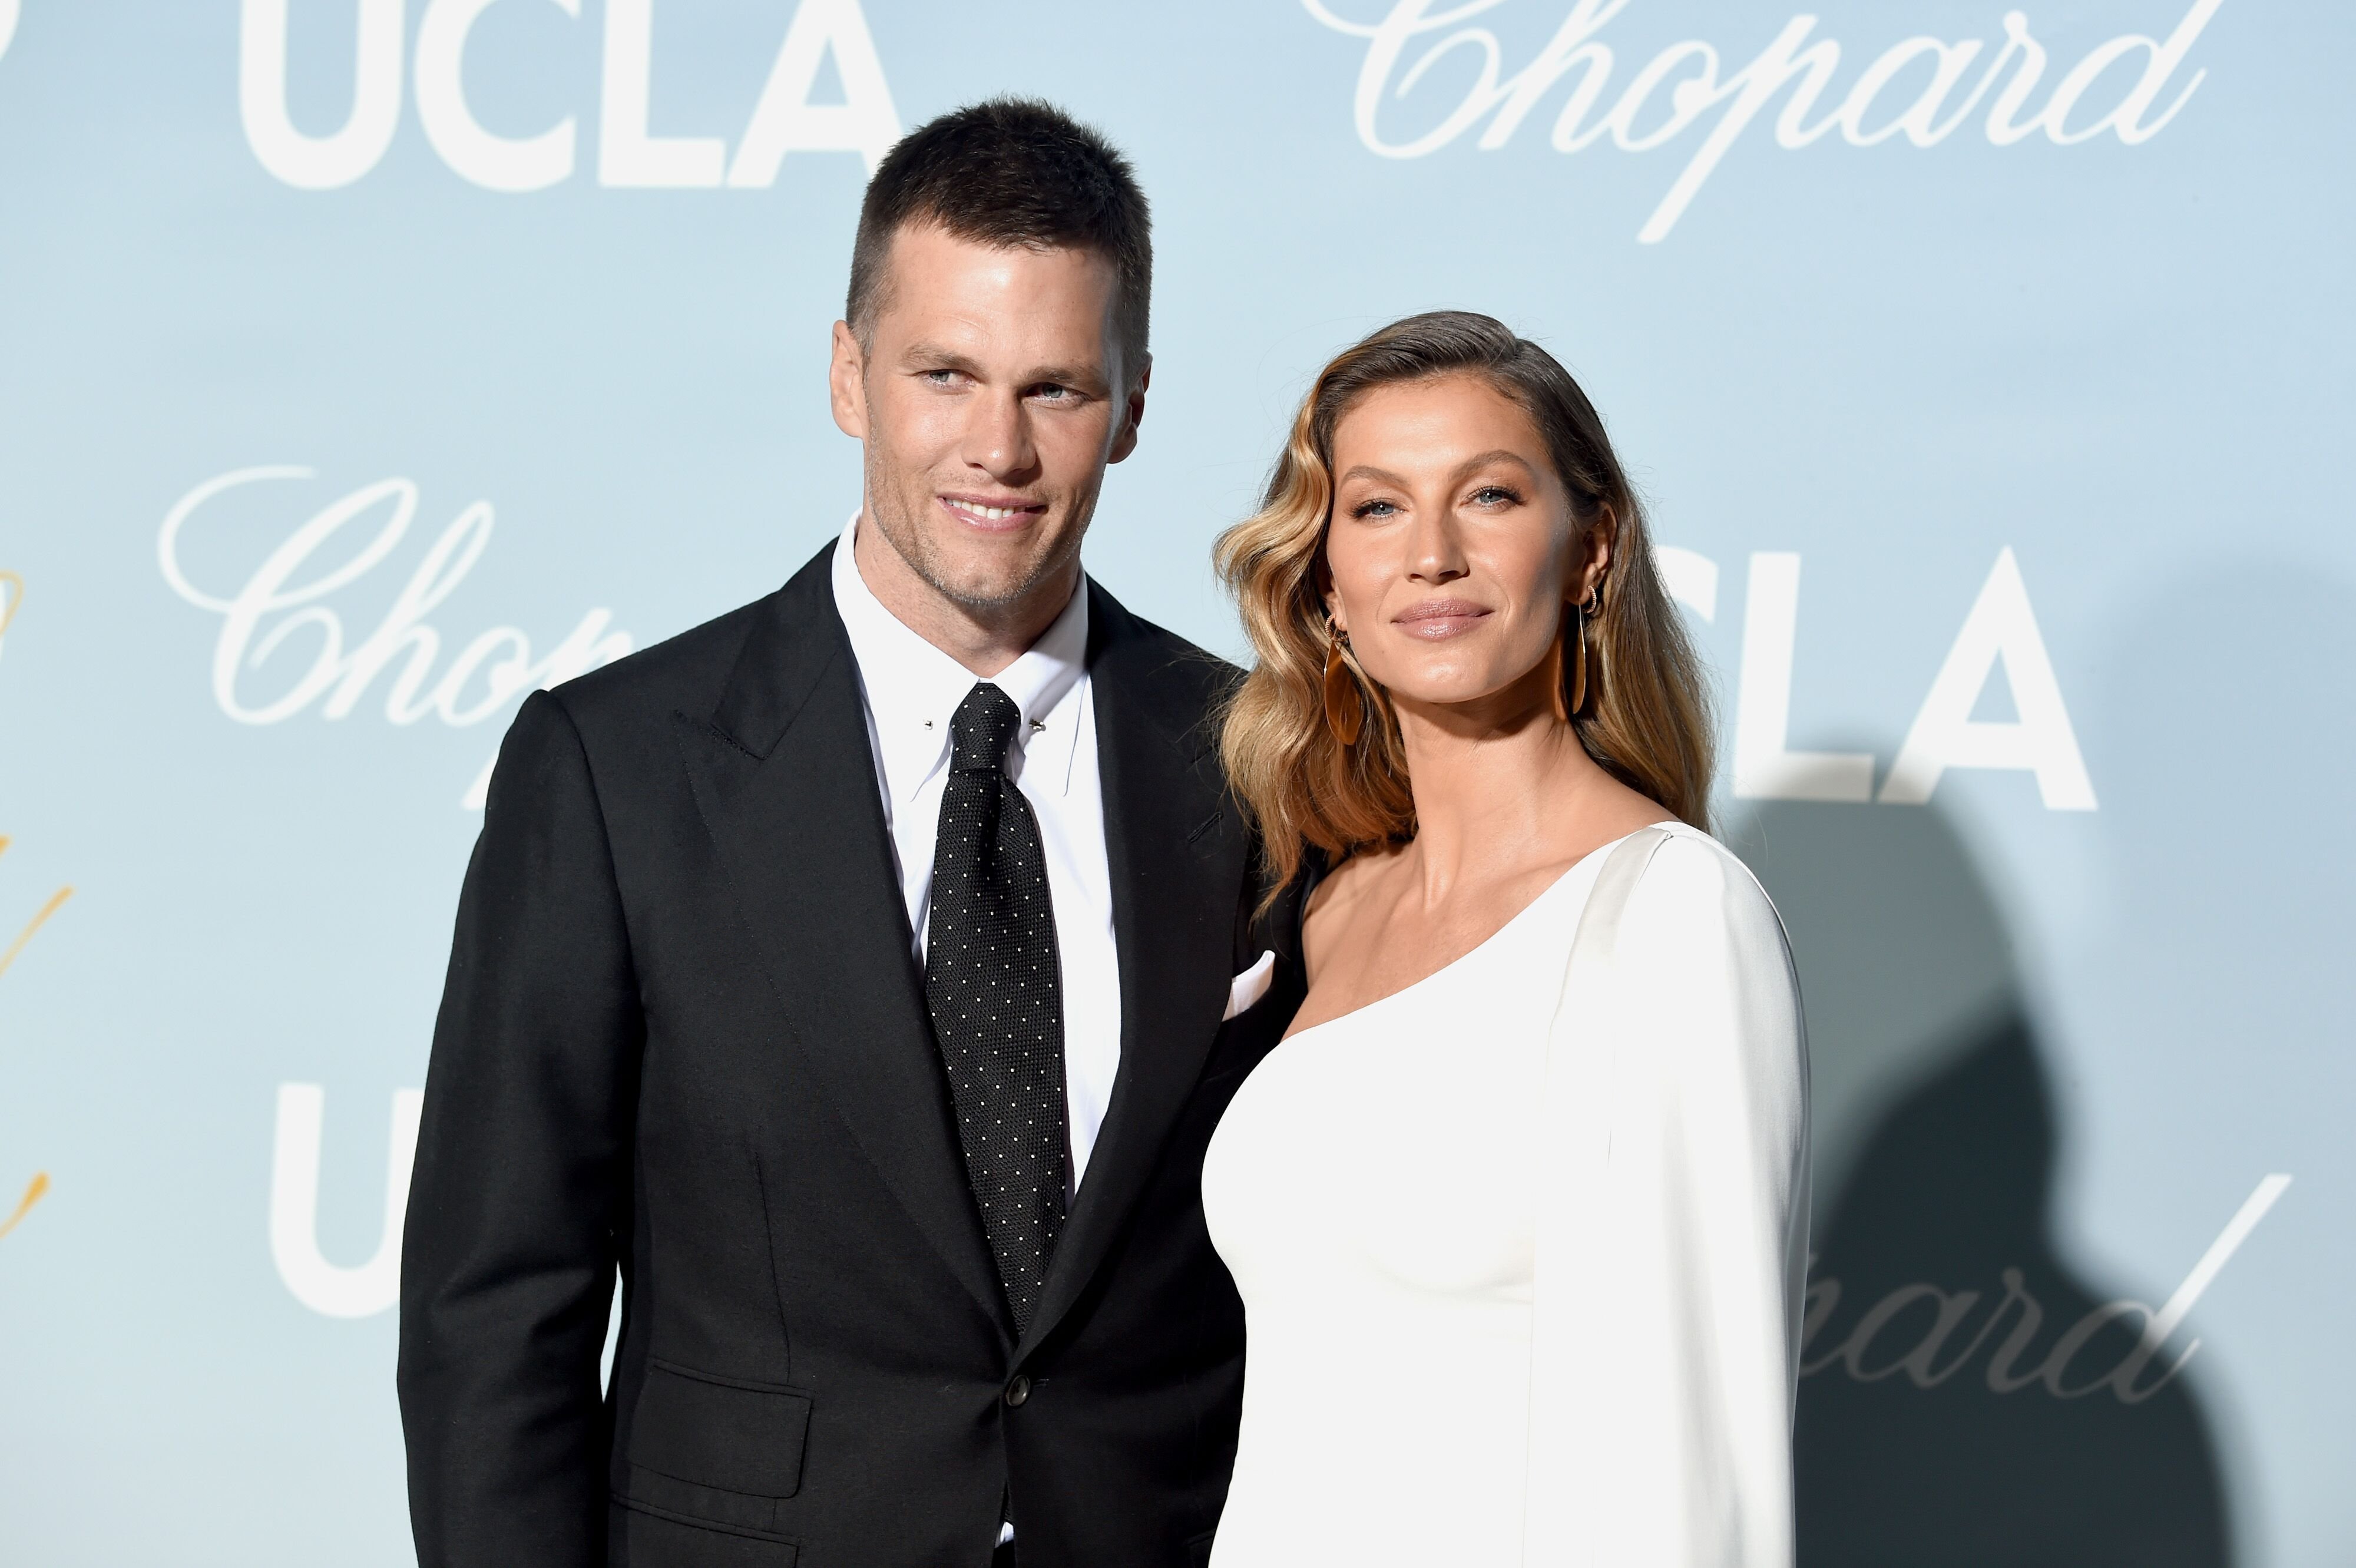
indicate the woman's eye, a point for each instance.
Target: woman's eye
{"x":1374,"y":509}
{"x":1494,"y":495}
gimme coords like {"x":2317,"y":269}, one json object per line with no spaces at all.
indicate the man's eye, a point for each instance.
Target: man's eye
{"x":941,"y":378}
{"x":1052,"y":392}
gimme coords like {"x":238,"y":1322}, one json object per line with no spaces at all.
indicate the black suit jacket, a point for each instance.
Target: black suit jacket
{"x":684,"y":1036}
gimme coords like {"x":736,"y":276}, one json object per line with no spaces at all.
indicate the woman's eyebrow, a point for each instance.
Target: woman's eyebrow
{"x":1498,"y":455}
{"x":1385,"y":476}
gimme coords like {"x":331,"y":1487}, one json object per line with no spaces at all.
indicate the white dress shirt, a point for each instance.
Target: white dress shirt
{"x":910,"y":689}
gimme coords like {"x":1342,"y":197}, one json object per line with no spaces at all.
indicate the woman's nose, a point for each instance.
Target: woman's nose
{"x":1434,"y":552}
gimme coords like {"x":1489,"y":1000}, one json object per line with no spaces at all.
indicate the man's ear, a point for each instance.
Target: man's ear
{"x":847,"y":381}
{"x":1133,"y":415}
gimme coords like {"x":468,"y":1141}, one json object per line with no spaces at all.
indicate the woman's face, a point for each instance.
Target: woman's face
{"x":1452,"y":549}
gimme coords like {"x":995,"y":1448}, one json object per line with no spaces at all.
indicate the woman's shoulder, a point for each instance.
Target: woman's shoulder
{"x":1693,"y":884}
{"x":1335,"y":886}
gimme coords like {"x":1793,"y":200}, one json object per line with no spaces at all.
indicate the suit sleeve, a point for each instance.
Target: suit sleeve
{"x":518,"y":1203}
{"x":1665,"y":1370}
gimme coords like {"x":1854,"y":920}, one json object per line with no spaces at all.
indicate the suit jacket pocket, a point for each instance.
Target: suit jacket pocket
{"x":640,"y":1537}
{"x":721,"y":1432}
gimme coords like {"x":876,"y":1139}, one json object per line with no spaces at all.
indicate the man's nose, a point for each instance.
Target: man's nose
{"x":999,"y":442}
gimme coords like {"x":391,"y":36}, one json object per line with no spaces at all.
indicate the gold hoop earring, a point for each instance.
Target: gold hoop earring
{"x":1576,"y":631}
{"x":1595,"y":670}
{"x":1567,"y":665}
{"x":1346,"y":704}
{"x":1554,"y":667}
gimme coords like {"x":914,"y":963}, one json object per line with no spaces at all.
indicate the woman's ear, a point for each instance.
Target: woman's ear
{"x":1601,"y":535}
{"x":1322,"y":575}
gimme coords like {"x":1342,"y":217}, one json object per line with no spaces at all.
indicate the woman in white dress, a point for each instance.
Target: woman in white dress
{"x":1518,"y":1209}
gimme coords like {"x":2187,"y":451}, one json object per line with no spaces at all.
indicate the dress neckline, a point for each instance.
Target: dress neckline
{"x":1515,"y":919}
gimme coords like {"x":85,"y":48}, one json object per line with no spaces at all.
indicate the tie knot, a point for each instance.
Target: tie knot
{"x":982,"y":729}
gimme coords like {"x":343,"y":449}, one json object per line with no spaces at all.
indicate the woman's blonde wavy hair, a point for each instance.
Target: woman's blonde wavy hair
{"x":1647,"y":721}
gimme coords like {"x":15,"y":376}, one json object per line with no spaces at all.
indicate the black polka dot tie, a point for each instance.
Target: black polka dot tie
{"x":993,"y":980}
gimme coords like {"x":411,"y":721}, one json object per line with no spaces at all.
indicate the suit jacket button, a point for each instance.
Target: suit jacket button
{"x":1019,"y":1390}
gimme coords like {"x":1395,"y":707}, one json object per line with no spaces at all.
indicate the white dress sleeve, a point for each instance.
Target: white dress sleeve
{"x":1671,"y":1227}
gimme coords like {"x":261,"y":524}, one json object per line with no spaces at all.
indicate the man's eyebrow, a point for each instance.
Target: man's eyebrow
{"x":1085,"y":376}
{"x":935,"y":356}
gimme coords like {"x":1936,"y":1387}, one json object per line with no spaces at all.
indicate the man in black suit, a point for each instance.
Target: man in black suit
{"x":861,"y":976}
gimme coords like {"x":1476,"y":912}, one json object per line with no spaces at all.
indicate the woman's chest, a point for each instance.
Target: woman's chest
{"x":1382,"y":945}
{"x":1399,"y":1146}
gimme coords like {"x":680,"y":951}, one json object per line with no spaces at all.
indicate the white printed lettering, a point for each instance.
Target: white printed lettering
{"x":2160,"y":60}
{"x":326,"y":1288}
{"x":1691,"y":578}
{"x":2001,"y":625}
{"x":1689,"y":69}
{"x":319,"y":163}
{"x":495,"y":163}
{"x":1765,"y":768}
{"x":786,"y":121}
{"x":1921,"y":1361}
{"x":279,"y":604}
{"x":628,"y":153}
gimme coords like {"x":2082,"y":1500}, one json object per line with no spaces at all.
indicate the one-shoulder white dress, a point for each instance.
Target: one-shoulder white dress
{"x":1521,"y":1247}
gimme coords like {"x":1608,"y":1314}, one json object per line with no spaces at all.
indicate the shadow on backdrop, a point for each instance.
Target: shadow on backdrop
{"x":1965,"y":1400}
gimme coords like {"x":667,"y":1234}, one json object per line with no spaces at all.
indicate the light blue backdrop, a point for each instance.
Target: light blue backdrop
{"x":2061,"y":414}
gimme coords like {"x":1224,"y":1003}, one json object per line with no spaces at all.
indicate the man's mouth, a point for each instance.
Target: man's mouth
{"x":993,"y":511}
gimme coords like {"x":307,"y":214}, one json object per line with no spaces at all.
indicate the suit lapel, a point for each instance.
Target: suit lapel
{"x":786,"y":781}
{"x":1176,"y":856}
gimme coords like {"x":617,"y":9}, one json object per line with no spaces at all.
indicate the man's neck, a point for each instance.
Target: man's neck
{"x":984,"y":642}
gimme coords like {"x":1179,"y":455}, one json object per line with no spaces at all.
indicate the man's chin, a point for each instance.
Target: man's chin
{"x":992,"y":580}
{"x":991,"y":592}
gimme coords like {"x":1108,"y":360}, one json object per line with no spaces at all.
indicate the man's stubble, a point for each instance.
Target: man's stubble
{"x":890,"y":504}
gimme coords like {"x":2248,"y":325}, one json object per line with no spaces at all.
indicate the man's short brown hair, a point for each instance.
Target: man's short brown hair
{"x":1011,"y":172}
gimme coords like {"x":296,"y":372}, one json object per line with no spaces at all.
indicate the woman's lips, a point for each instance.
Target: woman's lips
{"x":1435,"y":620}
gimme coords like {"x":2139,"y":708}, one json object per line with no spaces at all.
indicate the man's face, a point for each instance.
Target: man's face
{"x":989,"y":396}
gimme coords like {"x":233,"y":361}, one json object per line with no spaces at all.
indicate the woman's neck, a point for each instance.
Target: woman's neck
{"x":1502,"y":787}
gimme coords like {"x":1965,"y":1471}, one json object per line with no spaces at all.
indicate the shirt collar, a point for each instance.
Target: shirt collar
{"x":913,"y":688}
